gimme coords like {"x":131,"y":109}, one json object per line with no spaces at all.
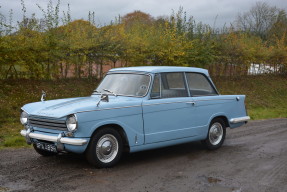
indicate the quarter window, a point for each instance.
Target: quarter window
{"x":155,"y":92}
{"x":199,"y":85}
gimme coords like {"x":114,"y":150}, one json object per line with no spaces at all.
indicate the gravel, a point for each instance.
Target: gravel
{"x":252,"y":159}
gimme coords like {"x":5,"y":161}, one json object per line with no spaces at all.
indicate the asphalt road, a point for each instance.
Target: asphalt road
{"x":252,"y":159}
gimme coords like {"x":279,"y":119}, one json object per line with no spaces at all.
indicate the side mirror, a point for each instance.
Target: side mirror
{"x":104,"y":98}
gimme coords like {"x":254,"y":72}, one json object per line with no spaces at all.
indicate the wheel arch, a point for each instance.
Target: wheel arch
{"x":223,"y":117}
{"x":119,"y":129}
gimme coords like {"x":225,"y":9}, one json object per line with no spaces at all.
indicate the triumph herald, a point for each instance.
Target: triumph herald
{"x":134,"y":109}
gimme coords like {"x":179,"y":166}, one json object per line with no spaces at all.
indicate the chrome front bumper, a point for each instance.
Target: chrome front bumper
{"x":240,"y":119}
{"x":59,"y":140}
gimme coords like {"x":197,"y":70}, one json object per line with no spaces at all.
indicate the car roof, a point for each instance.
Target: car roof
{"x":159,"y":69}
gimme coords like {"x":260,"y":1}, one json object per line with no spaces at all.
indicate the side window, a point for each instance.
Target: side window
{"x":173,"y":85}
{"x":155,"y":92}
{"x":199,"y":85}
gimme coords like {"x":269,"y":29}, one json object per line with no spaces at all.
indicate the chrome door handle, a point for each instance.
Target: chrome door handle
{"x":191,"y":102}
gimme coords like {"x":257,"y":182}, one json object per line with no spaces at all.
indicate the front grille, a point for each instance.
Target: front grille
{"x":48,"y":123}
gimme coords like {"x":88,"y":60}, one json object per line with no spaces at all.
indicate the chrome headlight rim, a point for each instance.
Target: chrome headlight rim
{"x":24,"y":117}
{"x":72,"y":123}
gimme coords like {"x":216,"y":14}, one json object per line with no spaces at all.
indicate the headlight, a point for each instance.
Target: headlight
{"x":71,"y":123}
{"x":24,"y":118}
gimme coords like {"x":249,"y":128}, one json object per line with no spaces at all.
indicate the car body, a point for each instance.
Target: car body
{"x":134,"y":109}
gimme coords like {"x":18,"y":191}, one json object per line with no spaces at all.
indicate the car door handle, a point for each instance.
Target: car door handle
{"x":191,"y":102}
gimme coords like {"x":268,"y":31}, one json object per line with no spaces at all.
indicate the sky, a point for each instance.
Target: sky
{"x":213,"y":12}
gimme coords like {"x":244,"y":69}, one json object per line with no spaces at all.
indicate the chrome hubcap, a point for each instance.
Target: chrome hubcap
{"x":107,"y":148}
{"x":215,"y":133}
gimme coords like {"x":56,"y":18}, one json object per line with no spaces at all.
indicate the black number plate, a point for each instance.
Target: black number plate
{"x":47,"y":147}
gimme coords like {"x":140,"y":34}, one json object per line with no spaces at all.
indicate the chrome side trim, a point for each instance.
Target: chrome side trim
{"x":214,"y":99}
{"x":55,"y":139}
{"x":239,"y":119}
{"x":192,"y":100}
{"x":153,"y":104}
{"x":110,"y":108}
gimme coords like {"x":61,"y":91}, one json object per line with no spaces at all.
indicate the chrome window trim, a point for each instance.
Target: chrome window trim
{"x":186,"y":85}
{"x":136,"y":73}
{"x":159,"y":74}
{"x":160,"y":86}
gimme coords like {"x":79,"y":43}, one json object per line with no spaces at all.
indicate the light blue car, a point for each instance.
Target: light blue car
{"x":134,"y":109}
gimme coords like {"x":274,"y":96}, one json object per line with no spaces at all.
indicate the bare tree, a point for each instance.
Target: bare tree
{"x":259,"y":19}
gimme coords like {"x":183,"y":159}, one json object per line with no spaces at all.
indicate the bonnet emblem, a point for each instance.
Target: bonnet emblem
{"x":43,"y":96}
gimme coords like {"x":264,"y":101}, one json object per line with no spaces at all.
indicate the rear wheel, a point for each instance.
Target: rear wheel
{"x":105,"y":148}
{"x":216,"y":134}
{"x":43,"y":152}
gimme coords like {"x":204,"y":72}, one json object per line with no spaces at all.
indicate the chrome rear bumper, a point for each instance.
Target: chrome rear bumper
{"x":56,"y":139}
{"x":240,"y":119}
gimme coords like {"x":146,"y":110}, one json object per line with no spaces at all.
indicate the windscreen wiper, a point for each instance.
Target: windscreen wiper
{"x":110,"y":92}
{"x":96,"y":91}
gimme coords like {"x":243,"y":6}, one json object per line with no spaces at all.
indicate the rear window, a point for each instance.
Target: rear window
{"x":199,"y":85}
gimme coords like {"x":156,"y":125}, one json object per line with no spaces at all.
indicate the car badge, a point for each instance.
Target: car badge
{"x":43,"y":96}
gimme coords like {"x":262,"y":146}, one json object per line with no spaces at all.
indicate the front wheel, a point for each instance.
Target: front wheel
{"x":216,"y":134}
{"x":105,"y":148}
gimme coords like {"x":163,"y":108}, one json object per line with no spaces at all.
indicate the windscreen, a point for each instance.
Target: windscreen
{"x":125,"y":84}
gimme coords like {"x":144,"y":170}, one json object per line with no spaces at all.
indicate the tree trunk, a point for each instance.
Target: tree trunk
{"x":101,"y":68}
{"x":48,"y":70}
{"x":62,"y":70}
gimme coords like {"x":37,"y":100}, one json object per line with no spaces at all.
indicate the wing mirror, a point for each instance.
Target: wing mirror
{"x":104,"y":98}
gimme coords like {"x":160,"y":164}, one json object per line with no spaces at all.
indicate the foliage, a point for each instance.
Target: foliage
{"x":51,"y":46}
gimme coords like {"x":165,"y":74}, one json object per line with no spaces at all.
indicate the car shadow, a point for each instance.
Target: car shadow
{"x":191,"y":150}
{"x":165,"y":153}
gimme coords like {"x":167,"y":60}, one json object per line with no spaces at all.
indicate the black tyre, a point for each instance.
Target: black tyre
{"x":216,"y":134}
{"x":105,"y":148}
{"x":43,"y":152}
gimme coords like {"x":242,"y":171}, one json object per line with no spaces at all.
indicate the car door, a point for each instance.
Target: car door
{"x":206,"y":100}
{"x":167,"y":114}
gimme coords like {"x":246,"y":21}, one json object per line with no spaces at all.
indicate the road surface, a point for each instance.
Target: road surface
{"x":252,"y":159}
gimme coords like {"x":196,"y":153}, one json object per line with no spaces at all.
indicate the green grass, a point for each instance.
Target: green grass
{"x":16,"y":93}
{"x":266,"y":95}
{"x":266,"y":98}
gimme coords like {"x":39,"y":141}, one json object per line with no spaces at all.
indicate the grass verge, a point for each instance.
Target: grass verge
{"x":266,"y":95}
